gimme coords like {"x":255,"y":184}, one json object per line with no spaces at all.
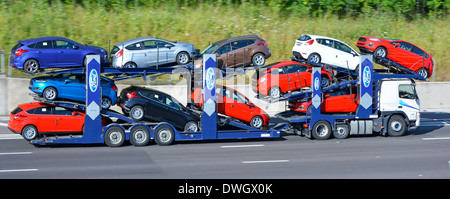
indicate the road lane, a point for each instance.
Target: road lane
{"x":419,"y":154}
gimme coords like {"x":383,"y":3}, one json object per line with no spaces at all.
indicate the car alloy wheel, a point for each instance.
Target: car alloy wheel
{"x":106,"y":103}
{"x":423,"y":72}
{"x":130,"y":65}
{"x":29,"y":132}
{"x":381,"y":52}
{"x":257,"y":122}
{"x":50,"y":93}
{"x":314,"y":58}
{"x":137,"y":113}
{"x":275,"y":92}
{"x":191,"y":126}
{"x":258,"y":59}
{"x":31,"y":66}
{"x":182,"y":58}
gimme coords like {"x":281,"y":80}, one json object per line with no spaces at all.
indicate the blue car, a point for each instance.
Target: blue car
{"x":32,"y":55}
{"x":72,"y":87}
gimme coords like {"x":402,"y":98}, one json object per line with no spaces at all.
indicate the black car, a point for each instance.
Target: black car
{"x":155,"y":106}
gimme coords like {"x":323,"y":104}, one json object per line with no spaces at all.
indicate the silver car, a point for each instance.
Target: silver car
{"x":150,"y":51}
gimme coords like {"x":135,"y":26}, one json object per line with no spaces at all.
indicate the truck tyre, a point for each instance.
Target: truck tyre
{"x":164,"y":135}
{"x":396,"y":126}
{"x":341,"y":131}
{"x":139,"y":136}
{"x":321,"y":130}
{"x":114,"y":136}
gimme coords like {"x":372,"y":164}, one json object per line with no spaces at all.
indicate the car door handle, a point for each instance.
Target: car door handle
{"x":38,"y":52}
{"x":61,"y":51}
{"x":400,"y":106}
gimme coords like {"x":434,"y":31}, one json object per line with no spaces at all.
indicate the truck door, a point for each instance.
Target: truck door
{"x":408,"y":100}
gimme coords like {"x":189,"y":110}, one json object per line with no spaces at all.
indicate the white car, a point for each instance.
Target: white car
{"x":325,"y":50}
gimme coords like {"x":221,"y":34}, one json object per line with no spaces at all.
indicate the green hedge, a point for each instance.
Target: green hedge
{"x":407,"y":8}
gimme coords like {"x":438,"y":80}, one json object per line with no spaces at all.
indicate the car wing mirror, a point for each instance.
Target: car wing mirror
{"x":75,"y":47}
{"x":397,"y":45}
{"x":168,"y":46}
{"x":66,"y":81}
{"x":74,"y":113}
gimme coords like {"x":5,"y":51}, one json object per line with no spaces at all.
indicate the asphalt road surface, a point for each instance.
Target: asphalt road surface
{"x":424,"y":153}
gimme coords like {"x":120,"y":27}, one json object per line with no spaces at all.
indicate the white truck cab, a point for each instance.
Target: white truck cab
{"x":398,"y":100}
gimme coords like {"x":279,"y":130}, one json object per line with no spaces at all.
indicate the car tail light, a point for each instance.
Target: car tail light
{"x":132,"y":95}
{"x":262,"y":43}
{"x":114,"y":87}
{"x":119,"y":54}
{"x":20,"y":51}
{"x":310,"y":42}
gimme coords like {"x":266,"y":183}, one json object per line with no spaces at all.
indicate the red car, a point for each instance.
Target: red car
{"x":402,"y":52}
{"x":340,"y":101}
{"x":234,"y":104}
{"x":36,"y":118}
{"x":283,"y":77}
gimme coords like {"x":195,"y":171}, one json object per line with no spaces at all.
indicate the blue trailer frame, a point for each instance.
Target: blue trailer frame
{"x":115,"y":134}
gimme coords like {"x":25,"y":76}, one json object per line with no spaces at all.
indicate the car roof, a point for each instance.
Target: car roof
{"x":235,"y":38}
{"x":32,"y":105}
{"x":131,"y":41}
{"x":140,"y":88}
{"x":32,"y":40}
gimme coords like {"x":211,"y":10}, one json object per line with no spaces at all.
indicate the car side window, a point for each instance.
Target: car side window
{"x":150,"y":44}
{"x":238,"y":44}
{"x":224,"y":49}
{"x":60,"y":44}
{"x":172,"y":103}
{"x":72,"y":78}
{"x":44,"y":45}
{"x":326,"y":42}
{"x":161,"y":44}
{"x":61,"y":111}
{"x":419,"y":52}
{"x":295,"y":68}
{"x":251,"y":41}
{"x":46,"y":110}
{"x":240,"y":98}
{"x":403,"y":45}
{"x":342,"y":47}
{"x":277,"y":71}
{"x":135,"y":46}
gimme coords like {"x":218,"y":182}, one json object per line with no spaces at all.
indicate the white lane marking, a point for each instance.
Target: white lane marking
{"x":241,"y":146}
{"x":16,"y":153}
{"x":441,"y":138}
{"x":10,"y":136}
{"x":264,"y":161}
{"x":3,"y":124}
{"x":17,"y":170}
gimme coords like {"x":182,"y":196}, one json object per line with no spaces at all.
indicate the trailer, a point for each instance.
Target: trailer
{"x":382,"y":107}
{"x":139,"y":134}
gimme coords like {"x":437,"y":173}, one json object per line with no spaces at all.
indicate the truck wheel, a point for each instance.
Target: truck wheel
{"x":139,"y":136}
{"x":164,"y":135}
{"x":396,"y":126}
{"x":114,"y":136}
{"x":341,"y":131}
{"x":321,"y":130}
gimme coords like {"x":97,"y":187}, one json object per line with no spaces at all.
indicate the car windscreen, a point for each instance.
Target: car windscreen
{"x":304,"y":38}
{"x":115,"y":50}
{"x":208,"y":50}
